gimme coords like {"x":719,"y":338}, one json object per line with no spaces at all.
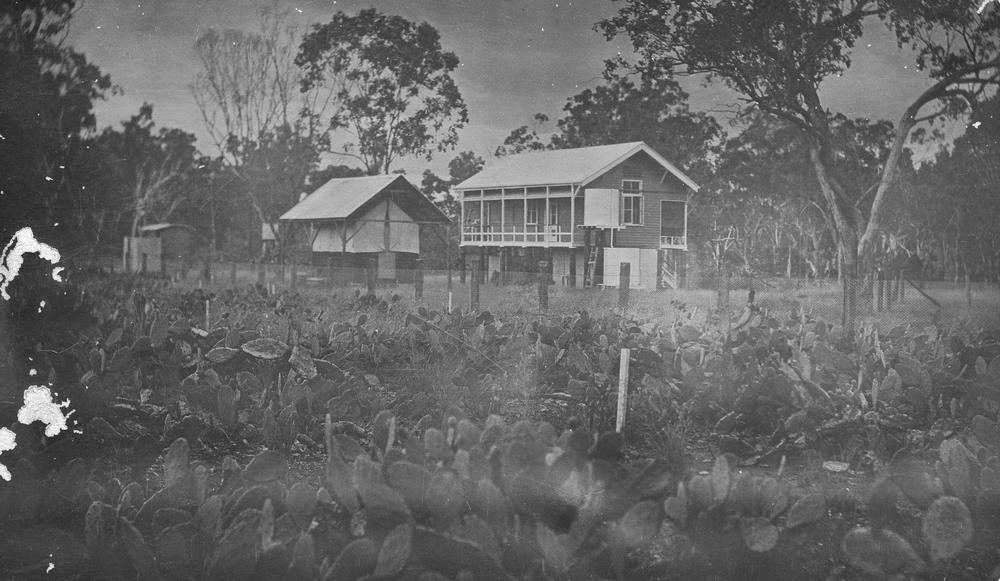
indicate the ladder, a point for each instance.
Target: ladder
{"x":592,"y":265}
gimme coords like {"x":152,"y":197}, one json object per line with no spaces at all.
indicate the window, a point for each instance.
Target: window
{"x":532,"y":215}
{"x":487,"y":214}
{"x":632,"y":202}
{"x":553,"y":214}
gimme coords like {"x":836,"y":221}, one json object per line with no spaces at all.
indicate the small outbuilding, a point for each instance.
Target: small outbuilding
{"x":158,"y":247}
{"x":350,"y":221}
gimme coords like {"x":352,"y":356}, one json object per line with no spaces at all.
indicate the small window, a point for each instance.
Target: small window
{"x":553,"y":214}
{"x":632,"y":202}
{"x":487,"y":214}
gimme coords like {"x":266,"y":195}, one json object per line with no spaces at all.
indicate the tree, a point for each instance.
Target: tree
{"x":321,"y":176}
{"x":953,"y":219}
{"x":653,"y":108}
{"x":47,"y":92}
{"x":274,"y":171}
{"x":386,"y":82}
{"x":248,"y":84}
{"x":764,"y":178}
{"x":462,"y":167}
{"x":249,"y":96}
{"x":522,"y":139}
{"x":776,"y":55}
{"x":147,"y":165}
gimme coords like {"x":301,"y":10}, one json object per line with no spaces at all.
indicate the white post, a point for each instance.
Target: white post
{"x":686,"y":222}
{"x":545,"y":230}
{"x":208,"y":314}
{"x":461,"y":218}
{"x":482,"y":215}
{"x":449,"y":301}
{"x":503,"y":213}
{"x":524,"y":233}
{"x":622,"y":389}
{"x":572,"y":215}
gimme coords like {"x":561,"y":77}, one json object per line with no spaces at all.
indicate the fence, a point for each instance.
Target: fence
{"x":890,"y":303}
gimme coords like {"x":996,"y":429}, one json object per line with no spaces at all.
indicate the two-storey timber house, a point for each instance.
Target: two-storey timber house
{"x":585,"y":210}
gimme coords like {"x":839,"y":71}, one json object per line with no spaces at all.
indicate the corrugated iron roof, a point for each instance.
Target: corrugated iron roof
{"x":341,"y":198}
{"x":562,"y":166}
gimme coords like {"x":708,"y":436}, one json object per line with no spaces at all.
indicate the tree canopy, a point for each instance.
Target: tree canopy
{"x":776,"y":54}
{"x":387,"y":82}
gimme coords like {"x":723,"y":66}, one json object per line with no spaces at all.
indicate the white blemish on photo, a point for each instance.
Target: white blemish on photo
{"x":39,"y":406}
{"x":22,"y":243}
{"x":7,"y":438}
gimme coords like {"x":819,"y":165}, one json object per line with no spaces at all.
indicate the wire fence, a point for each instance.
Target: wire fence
{"x":887,"y":301}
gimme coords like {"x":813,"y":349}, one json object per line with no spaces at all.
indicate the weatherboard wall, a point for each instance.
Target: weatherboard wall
{"x":640,"y":166}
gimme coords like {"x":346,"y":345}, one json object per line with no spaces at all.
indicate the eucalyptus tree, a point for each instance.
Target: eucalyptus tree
{"x":776,"y":54}
{"x":384,"y":82}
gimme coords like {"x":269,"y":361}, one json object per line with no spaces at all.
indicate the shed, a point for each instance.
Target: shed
{"x":352,"y":220}
{"x":158,"y":246}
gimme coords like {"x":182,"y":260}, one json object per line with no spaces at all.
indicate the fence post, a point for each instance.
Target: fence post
{"x":622,"y":389}
{"x":624,"y":281}
{"x":474,"y":290}
{"x":543,"y":285}
{"x":370,"y":274}
{"x":418,"y":279}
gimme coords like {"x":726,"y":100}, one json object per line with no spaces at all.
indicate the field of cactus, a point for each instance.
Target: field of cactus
{"x":245,"y":435}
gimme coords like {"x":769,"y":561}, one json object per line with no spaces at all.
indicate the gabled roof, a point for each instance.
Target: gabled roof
{"x":563,"y":166}
{"x":345,"y":198}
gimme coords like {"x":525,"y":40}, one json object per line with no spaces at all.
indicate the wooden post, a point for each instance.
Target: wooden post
{"x":371,"y":273}
{"x":624,"y":282}
{"x":447,"y":252}
{"x":622,"y":388}
{"x":208,"y":314}
{"x":572,"y":267}
{"x":461,"y":266}
{"x":474,"y":290}
{"x":418,"y":279}
{"x":543,"y":285}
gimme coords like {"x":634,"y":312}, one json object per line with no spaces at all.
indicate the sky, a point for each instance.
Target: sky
{"x":518,"y":58}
